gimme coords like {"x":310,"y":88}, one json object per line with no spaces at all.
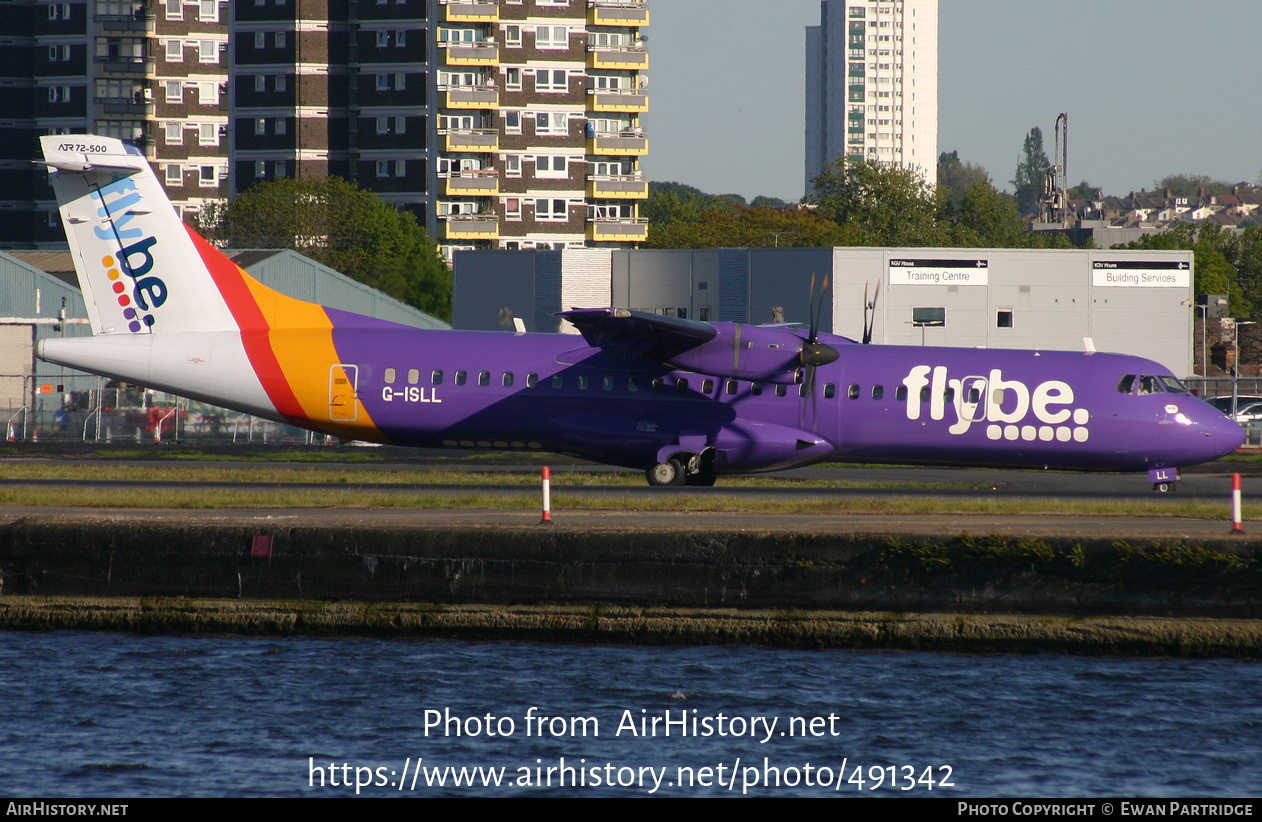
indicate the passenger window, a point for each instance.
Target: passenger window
{"x":508,"y":379}
{"x":707,"y":387}
{"x":1148,"y":385}
{"x":949,"y":395}
{"x":900,"y":394}
{"x":878,"y":391}
{"x":782,"y":390}
{"x":484,"y":378}
{"x":681,"y":385}
{"x":633,"y":383}
{"x":414,"y":376}
{"x":830,"y":391}
{"x":606,"y":383}
{"x":658,"y":384}
{"x":1126,"y":385}
{"x":731,"y":386}
{"x":582,"y":382}
{"x":532,"y":380}
{"x":755,"y":388}
{"x":558,"y":381}
{"x":853,"y":392}
{"x":974,"y":396}
{"x":802,"y":390}
{"x":924,"y":394}
{"x":436,"y":378}
{"x":390,"y":375}
{"x":461,"y":377}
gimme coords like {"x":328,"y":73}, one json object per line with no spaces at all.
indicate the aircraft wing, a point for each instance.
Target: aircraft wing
{"x":630,"y":334}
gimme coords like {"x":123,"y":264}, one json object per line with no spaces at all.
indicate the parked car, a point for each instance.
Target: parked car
{"x":1224,"y":403}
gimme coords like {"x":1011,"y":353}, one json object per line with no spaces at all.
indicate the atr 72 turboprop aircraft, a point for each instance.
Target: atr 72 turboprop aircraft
{"x":683,"y":400}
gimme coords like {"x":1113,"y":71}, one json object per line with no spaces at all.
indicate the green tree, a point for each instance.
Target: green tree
{"x":1189,"y":185}
{"x":986,"y":218}
{"x":350,"y":230}
{"x":752,"y":228}
{"x":1215,"y":252}
{"x":1031,"y":171}
{"x":886,"y":203}
{"x":956,"y":176}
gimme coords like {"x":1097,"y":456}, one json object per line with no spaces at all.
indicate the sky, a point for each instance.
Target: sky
{"x":1151,"y":87}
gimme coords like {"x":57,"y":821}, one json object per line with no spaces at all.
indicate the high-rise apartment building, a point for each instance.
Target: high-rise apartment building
{"x":154,"y":73}
{"x":872,"y":84}
{"x":500,"y":123}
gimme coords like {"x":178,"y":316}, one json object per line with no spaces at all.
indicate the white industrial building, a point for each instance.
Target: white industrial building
{"x":1131,"y":302}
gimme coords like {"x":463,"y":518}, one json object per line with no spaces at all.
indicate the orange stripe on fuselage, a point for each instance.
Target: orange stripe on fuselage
{"x":289,"y":343}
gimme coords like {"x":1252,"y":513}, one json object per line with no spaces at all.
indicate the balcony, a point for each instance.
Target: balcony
{"x":631,"y":187}
{"x":470,"y":227}
{"x":618,"y":58}
{"x":466,"y":97}
{"x":481,"y":183}
{"x":141,"y":21}
{"x":607,"y":99}
{"x":470,"y":140}
{"x":630,"y":143}
{"x":618,"y":230}
{"x":618,"y":13}
{"x":470,"y":54}
{"x":130,"y":66}
{"x":470,"y":11}
{"x":124,"y":105}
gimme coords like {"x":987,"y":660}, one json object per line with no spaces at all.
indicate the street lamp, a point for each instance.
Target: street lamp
{"x":1235,"y":362}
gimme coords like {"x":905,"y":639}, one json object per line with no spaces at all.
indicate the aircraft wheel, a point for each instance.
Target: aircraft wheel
{"x":670,"y":472}
{"x":1163,"y":487}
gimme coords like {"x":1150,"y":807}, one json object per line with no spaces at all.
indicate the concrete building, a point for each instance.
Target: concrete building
{"x":1132,"y":302}
{"x":150,"y":72}
{"x":872,"y":84}
{"x":500,"y":123}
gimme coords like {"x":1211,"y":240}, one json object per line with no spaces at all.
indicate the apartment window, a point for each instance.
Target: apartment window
{"x":400,"y":82}
{"x":512,"y":165}
{"x":383,"y":125}
{"x":551,"y":167}
{"x":383,"y":39}
{"x":383,"y":168}
{"x":552,"y":37}
{"x":552,"y":80}
{"x":280,"y":126}
{"x":512,"y":122}
{"x":260,"y":83}
{"x":260,"y":39}
{"x":260,"y":125}
{"x":400,"y":39}
{"x":59,"y":11}
{"x":207,"y":176}
{"x":58,"y":54}
{"x":552,"y":122}
{"x":175,"y":51}
{"x":207,"y":134}
{"x":260,"y":172}
{"x":279,"y":39}
{"x":174,"y":134}
{"x":208,"y":11}
{"x":400,"y":125}
{"x":175,"y":176}
{"x":383,"y":82}
{"x":174,"y":91}
{"x":279,"y":82}
{"x":208,"y":51}
{"x":512,"y":208}
{"x":208,"y":94}
{"x":551,"y":210}
{"x":512,"y":35}
{"x":512,"y":79}
{"x":175,"y":9}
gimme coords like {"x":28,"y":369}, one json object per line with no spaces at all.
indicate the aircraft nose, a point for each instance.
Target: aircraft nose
{"x":1223,"y":435}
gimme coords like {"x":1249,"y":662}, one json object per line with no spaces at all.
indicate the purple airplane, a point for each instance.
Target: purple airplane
{"x":683,"y":400}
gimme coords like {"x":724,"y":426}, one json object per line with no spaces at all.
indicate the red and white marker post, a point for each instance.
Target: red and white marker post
{"x":547,"y":496}
{"x":1237,"y":526}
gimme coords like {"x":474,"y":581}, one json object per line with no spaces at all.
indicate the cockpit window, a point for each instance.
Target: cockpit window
{"x":1126,"y":385}
{"x":1173,"y":385}
{"x":1149,"y":384}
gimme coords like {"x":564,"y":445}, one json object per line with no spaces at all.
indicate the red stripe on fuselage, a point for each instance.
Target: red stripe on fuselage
{"x":228,"y":278}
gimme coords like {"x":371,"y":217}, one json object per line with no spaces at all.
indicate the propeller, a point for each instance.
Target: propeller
{"x":815,"y":353}
{"x":869,"y":312}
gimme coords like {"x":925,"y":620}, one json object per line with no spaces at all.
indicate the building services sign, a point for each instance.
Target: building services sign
{"x":1142,"y":274}
{"x":939,"y":272}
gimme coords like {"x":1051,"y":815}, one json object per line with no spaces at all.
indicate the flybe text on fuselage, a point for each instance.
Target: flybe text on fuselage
{"x":1008,"y":408}
{"x":132,"y":264}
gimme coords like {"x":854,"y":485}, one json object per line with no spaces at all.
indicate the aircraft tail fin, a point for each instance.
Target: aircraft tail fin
{"x":141,"y":269}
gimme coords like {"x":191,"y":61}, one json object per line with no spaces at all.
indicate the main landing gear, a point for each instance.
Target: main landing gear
{"x":684,"y":469}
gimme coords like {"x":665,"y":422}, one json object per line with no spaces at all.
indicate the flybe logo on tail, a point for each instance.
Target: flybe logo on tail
{"x":138,"y":292}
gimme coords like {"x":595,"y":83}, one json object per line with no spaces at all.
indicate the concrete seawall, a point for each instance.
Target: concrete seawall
{"x":128,"y":554}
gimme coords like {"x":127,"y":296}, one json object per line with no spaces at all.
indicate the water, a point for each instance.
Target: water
{"x":106,"y":715}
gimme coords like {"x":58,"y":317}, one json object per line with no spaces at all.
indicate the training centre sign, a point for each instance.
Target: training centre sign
{"x":939,"y":272}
